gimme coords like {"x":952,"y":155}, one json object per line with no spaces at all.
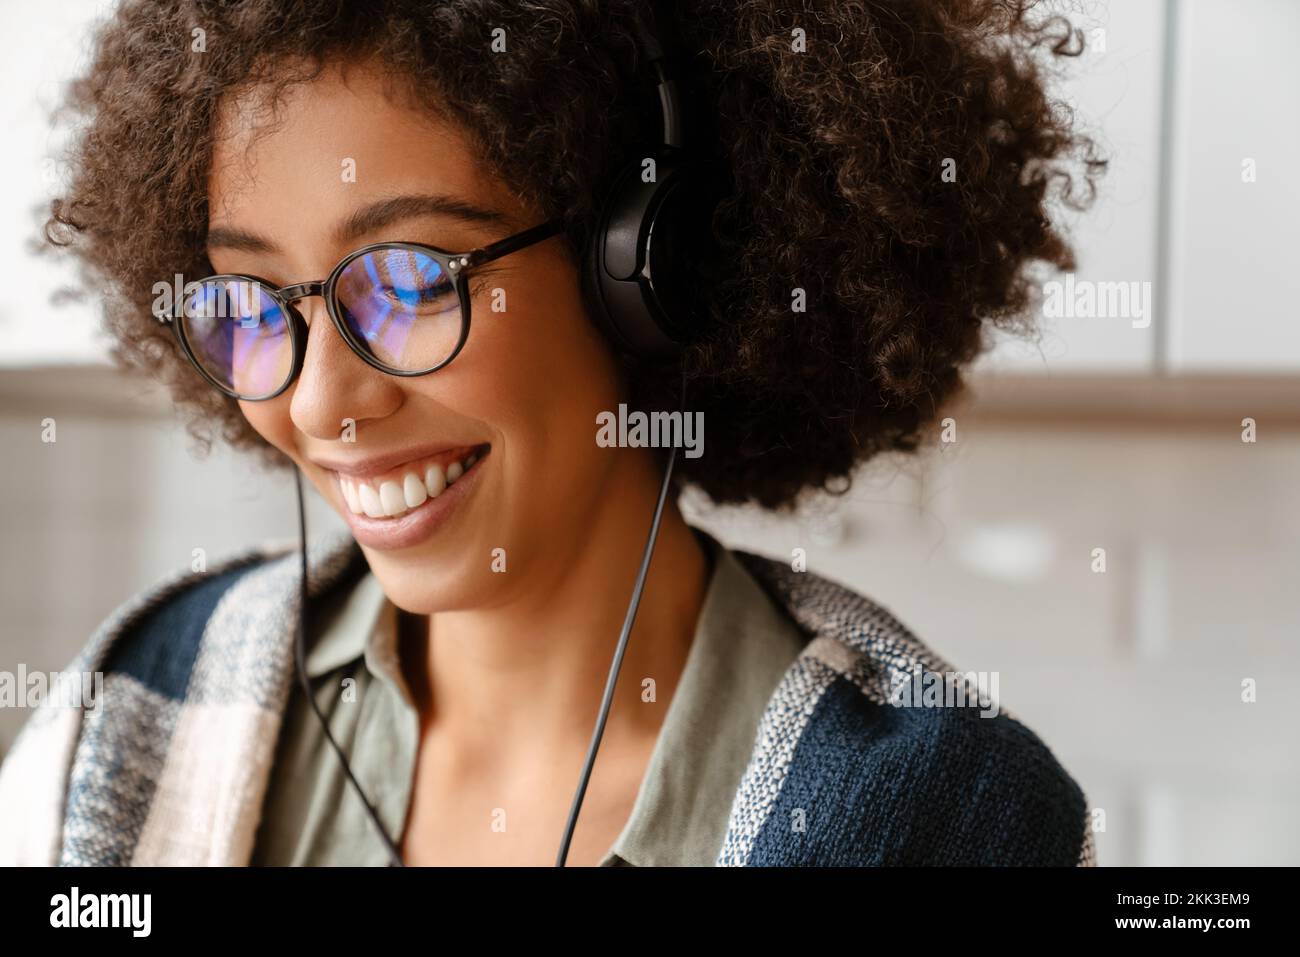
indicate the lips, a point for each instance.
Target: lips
{"x":395,"y":501}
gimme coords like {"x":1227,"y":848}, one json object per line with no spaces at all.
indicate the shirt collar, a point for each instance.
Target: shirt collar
{"x":362,"y":625}
{"x":742,"y":646}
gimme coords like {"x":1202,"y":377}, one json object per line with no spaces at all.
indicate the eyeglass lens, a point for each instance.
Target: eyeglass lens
{"x":400,"y":306}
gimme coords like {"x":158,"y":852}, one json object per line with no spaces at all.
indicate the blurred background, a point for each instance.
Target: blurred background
{"x":1116,"y":433}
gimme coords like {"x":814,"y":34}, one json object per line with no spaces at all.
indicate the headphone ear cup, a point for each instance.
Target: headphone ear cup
{"x":617,"y":268}
{"x":651,"y":247}
{"x":593,"y":267}
{"x":682,"y":252}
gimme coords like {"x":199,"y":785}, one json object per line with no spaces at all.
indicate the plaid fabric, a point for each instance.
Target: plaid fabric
{"x":171,"y":765}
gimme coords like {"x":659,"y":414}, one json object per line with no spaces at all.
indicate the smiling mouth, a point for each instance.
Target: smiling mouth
{"x":409,"y":486}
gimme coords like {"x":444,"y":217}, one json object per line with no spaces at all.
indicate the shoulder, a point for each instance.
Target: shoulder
{"x":155,"y":636}
{"x":40,"y":768}
{"x":158,"y":625}
{"x":874,"y":750}
{"x":219,"y":635}
{"x":172,"y":618}
{"x":236,"y":615}
{"x":158,"y":643}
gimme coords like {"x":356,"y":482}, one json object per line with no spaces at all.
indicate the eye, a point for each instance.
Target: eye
{"x":416,"y":294}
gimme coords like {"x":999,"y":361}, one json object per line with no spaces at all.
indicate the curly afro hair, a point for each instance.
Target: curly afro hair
{"x":892,"y":159}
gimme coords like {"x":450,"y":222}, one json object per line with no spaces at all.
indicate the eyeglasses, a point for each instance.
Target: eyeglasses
{"x":402,"y":307}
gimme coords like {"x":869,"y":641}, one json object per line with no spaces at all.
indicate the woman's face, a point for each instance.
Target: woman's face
{"x":349,"y":163}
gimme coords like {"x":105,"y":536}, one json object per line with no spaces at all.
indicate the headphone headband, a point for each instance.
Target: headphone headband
{"x":653,"y":234}
{"x":659,"y":46}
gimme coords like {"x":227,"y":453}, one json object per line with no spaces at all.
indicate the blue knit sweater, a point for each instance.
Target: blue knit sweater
{"x":172,"y":764}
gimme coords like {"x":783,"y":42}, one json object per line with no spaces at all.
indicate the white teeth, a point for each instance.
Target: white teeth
{"x":413,"y":490}
{"x":395,"y":499}
{"x":392,"y":499}
{"x":370,"y":501}
{"x":435,"y":481}
{"x":350,"y":496}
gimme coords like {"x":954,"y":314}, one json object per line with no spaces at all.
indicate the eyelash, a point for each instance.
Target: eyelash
{"x":478,"y":280}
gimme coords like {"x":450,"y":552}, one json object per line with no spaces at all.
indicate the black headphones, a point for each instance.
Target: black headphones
{"x":652,"y":245}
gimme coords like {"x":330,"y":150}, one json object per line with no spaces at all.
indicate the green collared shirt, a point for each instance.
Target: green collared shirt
{"x":742,"y":646}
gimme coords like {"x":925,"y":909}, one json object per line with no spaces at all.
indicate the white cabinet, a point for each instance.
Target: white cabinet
{"x":1177,"y":208}
{"x":1115,"y":89}
{"x":46,"y":45}
{"x":1235,"y":257}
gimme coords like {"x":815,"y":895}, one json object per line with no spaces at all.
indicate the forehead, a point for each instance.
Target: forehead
{"x":329,"y":144}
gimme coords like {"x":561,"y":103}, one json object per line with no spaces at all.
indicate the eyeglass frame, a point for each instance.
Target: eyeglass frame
{"x":455,"y":265}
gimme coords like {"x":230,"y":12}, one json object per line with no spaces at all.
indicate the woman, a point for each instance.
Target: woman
{"x":882,"y":194}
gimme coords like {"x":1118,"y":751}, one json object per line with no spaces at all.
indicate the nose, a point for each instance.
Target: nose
{"x":336,"y":386}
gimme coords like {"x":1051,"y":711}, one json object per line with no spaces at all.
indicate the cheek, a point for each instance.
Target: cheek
{"x":539,"y":373}
{"x":271,"y":421}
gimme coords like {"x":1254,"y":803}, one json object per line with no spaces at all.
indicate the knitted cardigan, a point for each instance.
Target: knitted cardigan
{"x":171,"y":764}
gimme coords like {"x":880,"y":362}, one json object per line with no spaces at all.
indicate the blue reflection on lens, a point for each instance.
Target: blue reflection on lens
{"x":402,"y":306}
{"x":240,"y":336}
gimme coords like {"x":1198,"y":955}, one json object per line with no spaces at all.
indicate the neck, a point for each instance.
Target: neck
{"x":513,"y":682}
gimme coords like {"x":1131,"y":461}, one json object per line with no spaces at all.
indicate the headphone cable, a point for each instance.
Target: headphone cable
{"x":301,"y":663}
{"x":606,"y":701}
{"x":632,"y":608}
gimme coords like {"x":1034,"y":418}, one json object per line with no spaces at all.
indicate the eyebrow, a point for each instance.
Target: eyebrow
{"x":368,"y":219}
